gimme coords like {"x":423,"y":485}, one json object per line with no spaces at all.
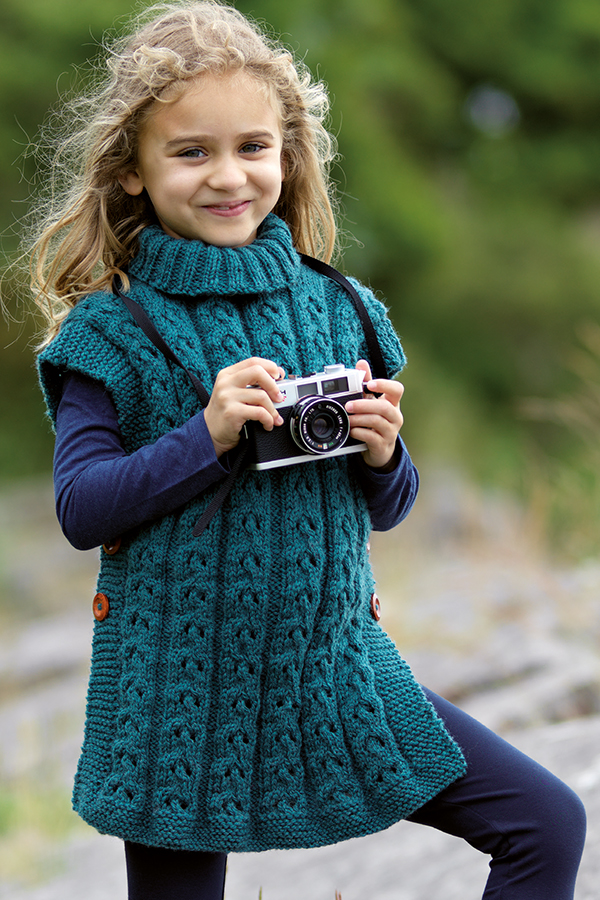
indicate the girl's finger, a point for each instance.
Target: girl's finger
{"x":377,"y":407}
{"x":244,"y":377}
{"x":377,"y":423}
{"x":257,"y":397}
{"x":364,"y":366}
{"x":252,"y":361}
{"x":259,"y":413}
{"x":393,"y":390}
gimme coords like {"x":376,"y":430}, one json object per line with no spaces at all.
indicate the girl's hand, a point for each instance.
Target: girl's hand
{"x":233,"y":403}
{"x":377,"y":420}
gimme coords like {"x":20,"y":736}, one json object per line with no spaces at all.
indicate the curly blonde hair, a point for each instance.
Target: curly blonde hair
{"x":89,"y":226}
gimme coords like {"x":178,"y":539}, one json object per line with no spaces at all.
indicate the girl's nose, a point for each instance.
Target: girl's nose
{"x":226,"y":175}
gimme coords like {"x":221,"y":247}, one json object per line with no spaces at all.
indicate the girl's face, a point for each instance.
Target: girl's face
{"x":211,"y":160}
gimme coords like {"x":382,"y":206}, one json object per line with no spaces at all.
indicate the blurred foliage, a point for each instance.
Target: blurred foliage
{"x":41,"y":43}
{"x":469,"y":137}
{"x":35,"y":820}
{"x":568,"y":492}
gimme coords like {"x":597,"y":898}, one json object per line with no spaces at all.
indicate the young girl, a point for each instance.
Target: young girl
{"x":243,"y":695}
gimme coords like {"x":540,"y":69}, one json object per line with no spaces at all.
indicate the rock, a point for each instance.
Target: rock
{"x":473,"y":603}
{"x":406,"y":862}
{"x":481,"y":614}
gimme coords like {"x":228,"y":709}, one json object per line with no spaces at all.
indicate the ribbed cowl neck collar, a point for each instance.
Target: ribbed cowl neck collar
{"x":179,"y":266}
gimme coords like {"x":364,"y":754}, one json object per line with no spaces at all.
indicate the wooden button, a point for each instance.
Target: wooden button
{"x":101,"y":607}
{"x":111,"y":547}
{"x":375,"y":607}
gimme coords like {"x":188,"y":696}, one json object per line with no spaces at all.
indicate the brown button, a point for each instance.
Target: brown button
{"x":375,"y":607}
{"x":111,"y":547}
{"x":100,"y":607}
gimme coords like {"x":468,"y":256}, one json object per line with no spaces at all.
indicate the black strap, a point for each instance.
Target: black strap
{"x":150,"y":331}
{"x":219,"y":498}
{"x":373,"y":345}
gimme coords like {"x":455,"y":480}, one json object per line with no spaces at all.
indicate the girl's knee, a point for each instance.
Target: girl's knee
{"x":561,"y":818}
{"x":574,"y":816}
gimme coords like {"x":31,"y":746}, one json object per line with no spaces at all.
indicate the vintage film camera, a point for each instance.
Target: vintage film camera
{"x":315,"y":423}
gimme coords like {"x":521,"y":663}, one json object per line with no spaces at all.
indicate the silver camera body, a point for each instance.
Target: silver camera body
{"x":315,"y":423}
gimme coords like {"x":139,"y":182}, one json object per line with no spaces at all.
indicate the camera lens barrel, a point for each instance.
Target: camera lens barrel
{"x":319,"y":425}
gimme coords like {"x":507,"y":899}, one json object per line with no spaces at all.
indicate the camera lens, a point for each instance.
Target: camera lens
{"x":323,"y":427}
{"x":318,"y":425}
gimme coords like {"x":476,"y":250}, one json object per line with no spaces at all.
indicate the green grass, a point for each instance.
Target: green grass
{"x":35,"y":821}
{"x":566,"y":487}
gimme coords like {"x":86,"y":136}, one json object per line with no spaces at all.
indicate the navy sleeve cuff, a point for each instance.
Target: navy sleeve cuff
{"x":390,"y":495}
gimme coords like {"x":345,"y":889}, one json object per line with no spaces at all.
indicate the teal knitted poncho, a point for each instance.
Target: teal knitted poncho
{"x":242,"y":697}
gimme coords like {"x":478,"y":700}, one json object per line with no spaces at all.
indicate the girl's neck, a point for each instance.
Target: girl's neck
{"x":192,"y":268}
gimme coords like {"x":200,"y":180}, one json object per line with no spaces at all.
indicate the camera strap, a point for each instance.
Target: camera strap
{"x":375,"y":354}
{"x":151,"y":332}
{"x":149,"y":329}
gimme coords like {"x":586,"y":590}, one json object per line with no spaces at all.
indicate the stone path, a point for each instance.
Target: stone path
{"x":475,"y":607}
{"x":404,"y":863}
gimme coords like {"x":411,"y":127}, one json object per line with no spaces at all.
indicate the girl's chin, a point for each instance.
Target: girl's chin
{"x":217,"y":237}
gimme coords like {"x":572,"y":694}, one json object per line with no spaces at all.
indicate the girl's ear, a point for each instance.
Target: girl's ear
{"x":131,"y":183}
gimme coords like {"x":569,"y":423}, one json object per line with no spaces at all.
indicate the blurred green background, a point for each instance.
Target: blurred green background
{"x":469,"y":136}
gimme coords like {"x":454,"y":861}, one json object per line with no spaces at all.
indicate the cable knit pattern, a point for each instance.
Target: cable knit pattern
{"x":241,"y":695}
{"x":177,"y":267}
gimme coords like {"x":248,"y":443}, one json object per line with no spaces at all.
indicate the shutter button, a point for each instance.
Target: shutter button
{"x":375,"y":607}
{"x":100,"y":607}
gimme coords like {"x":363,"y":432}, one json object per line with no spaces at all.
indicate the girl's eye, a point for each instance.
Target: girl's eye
{"x":193,"y":153}
{"x":252,"y":148}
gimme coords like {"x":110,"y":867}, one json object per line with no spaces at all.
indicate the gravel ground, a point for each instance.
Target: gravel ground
{"x":406,"y":862}
{"x":476,"y":608}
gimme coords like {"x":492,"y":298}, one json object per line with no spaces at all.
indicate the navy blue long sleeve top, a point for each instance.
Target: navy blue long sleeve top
{"x":102,"y":492}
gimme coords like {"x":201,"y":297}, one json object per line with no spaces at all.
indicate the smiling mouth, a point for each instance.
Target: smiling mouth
{"x":228,"y":209}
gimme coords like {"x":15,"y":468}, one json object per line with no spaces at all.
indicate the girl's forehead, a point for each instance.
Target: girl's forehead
{"x":236,"y":88}
{"x":241,"y":81}
{"x":231,"y":102}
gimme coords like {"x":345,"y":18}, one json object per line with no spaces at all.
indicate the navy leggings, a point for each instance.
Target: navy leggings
{"x":507,"y":806}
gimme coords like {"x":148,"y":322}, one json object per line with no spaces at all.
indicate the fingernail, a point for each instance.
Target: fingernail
{"x":350,"y":406}
{"x":279,"y":420}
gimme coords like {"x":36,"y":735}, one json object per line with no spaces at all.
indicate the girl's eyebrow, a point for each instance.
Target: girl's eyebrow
{"x":205,"y":138}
